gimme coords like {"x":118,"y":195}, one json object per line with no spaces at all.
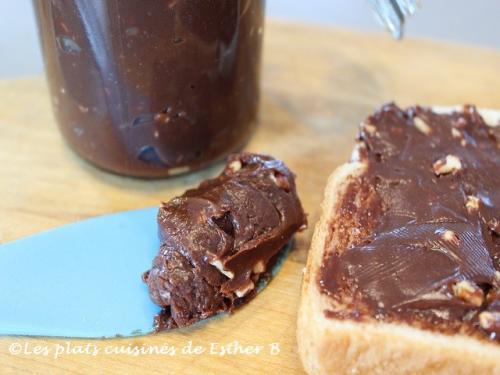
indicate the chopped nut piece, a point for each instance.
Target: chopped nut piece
{"x":494,"y":225}
{"x":460,"y":123}
{"x":450,"y":236}
{"x":280,"y":181}
{"x":243,"y":291}
{"x":259,"y":267}
{"x":217,"y":264}
{"x":82,"y":108}
{"x":472,"y":203}
{"x":235,"y":165}
{"x":369,"y":128}
{"x":489,"y":320}
{"x":449,"y":164}
{"x":422,"y":126}
{"x":456,"y":133}
{"x":497,"y":277}
{"x":469,"y":292}
{"x":162,"y":118}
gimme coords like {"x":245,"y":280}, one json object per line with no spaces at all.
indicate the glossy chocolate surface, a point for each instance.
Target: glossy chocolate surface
{"x":219,"y":239}
{"x":427,"y":210}
{"x":153,"y":87}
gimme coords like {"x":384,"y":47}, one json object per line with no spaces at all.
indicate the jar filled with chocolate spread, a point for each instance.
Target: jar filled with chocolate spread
{"x":152,"y":88}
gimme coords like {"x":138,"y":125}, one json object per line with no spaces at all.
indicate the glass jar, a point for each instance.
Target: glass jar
{"x":153,"y":88}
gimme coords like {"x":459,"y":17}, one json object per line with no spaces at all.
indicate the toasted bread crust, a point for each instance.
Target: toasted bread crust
{"x":333,"y":346}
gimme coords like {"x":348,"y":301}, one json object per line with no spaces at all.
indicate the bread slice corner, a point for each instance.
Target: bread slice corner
{"x":332,"y":346}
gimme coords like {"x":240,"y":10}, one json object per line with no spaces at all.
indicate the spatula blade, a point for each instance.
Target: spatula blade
{"x":80,"y":280}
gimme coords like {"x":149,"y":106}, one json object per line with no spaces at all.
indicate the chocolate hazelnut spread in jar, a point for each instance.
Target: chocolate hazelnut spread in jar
{"x":152,"y":88}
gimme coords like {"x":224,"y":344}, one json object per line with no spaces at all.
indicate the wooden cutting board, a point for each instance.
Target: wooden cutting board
{"x":318,"y":84}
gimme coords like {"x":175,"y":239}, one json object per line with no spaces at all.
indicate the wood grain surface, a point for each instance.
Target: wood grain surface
{"x":318,"y":84}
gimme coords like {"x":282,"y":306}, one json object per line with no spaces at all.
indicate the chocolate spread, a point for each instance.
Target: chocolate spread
{"x":219,"y":239}
{"x":153,"y":87}
{"x":426,"y":221}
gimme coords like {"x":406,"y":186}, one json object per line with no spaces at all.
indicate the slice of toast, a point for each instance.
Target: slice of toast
{"x":341,"y":344}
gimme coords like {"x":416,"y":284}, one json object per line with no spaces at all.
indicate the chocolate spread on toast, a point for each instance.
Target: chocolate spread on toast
{"x":419,"y":229}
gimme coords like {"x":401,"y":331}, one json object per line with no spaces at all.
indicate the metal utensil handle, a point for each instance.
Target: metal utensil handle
{"x":392,"y":14}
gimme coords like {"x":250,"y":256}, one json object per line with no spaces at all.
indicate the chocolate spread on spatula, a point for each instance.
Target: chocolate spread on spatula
{"x":424,"y":222}
{"x":220,"y":239}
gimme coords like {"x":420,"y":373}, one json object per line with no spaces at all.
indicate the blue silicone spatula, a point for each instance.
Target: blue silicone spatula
{"x":82,"y":279}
